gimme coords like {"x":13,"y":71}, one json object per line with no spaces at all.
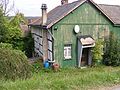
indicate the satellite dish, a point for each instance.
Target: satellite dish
{"x":76,"y":28}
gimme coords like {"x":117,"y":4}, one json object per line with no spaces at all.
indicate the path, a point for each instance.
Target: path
{"x":117,"y":87}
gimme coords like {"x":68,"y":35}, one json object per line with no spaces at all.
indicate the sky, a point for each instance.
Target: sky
{"x":33,"y":7}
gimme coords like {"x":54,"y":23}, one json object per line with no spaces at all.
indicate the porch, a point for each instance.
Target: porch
{"x":85,"y":43}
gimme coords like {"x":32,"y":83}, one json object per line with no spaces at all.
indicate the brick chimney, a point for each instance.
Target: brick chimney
{"x":64,"y":2}
{"x":44,"y":14}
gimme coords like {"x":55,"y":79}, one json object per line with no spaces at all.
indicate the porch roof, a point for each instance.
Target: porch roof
{"x":86,"y":40}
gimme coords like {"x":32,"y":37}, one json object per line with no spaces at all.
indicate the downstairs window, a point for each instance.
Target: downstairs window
{"x":67,"y":51}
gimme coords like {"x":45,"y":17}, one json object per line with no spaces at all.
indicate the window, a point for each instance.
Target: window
{"x":67,"y":51}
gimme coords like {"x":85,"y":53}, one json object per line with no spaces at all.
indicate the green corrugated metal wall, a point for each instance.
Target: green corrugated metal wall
{"x":91,"y":22}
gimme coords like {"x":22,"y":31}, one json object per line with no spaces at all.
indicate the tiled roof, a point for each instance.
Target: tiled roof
{"x":112,"y":12}
{"x":58,"y":13}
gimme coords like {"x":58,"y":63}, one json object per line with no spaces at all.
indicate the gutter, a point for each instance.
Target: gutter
{"x":117,"y":25}
{"x":89,"y":46}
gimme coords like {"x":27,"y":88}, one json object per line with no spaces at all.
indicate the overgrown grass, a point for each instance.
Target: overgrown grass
{"x":67,"y":79}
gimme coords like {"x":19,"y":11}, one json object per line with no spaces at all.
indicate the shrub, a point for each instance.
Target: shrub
{"x":97,"y":52}
{"x":28,"y":45}
{"x":14,"y":64}
{"x":112,"y":52}
{"x":37,"y":65}
{"x":6,"y":45}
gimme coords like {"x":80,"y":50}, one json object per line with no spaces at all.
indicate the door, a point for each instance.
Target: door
{"x":84,"y":59}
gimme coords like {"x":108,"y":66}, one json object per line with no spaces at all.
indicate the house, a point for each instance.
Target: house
{"x":67,"y":33}
{"x":24,"y":25}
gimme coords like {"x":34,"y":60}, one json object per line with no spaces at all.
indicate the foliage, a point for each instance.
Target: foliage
{"x":3,"y":27}
{"x":17,"y":20}
{"x":28,"y":45}
{"x":37,"y":65}
{"x":14,"y":34}
{"x":14,"y":64}
{"x":112,"y":53}
{"x":10,"y":30}
{"x":68,"y":79}
{"x":97,"y":52}
{"x":6,"y":45}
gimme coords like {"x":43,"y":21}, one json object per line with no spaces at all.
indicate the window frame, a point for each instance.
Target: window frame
{"x":67,"y":47}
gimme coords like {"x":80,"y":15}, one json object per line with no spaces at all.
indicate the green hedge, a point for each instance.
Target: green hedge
{"x":14,"y":64}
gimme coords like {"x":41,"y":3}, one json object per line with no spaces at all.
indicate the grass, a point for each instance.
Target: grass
{"x":67,"y":79}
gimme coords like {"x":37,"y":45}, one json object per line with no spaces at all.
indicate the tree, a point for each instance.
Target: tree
{"x":3,"y":27}
{"x":14,"y":34}
{"x":6,"y":6}
{"x":10,"y":31}
{"x":112,"y":52}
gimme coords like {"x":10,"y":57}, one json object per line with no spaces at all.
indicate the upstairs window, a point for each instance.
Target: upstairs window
{"x":67,"y":52}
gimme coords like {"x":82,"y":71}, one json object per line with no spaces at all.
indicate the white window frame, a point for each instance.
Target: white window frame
{"x":67,"y":52}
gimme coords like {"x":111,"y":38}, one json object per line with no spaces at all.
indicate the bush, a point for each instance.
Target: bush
{"x":14,"y":64}
{"x":6,"y":45}
{"x":37,"y":65}
{"x":28,"y":45}
{"x":112,"y":52}
{"x":97,"y":52}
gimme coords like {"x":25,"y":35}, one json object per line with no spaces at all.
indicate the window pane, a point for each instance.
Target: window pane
{"x":69,"y":52}
{"x":65,"y":52}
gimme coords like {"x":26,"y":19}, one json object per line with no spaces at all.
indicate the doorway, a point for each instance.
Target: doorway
{"x":84,"y":58}
{"x":85,"y":43}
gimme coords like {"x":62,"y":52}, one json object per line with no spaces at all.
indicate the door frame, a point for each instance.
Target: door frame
{"x":80,"y":48}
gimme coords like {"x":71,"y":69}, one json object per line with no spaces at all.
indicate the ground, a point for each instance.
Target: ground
{"x":100,"y":78}
{"x":116,"y":87}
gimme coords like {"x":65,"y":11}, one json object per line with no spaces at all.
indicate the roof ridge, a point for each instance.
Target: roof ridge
{"x":64,"y":5}
{"x":35,"y":20}
{"x":109,"y":5}
{"x":70,"y":3}
{"x":56,"y":15}
{"x":77,"y":5}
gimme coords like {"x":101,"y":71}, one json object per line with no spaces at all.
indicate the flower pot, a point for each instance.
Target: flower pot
{"x":56,"y":67}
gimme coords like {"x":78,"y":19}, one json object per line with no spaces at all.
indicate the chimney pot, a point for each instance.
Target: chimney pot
{"x":64,"y":2}
{"x":44,"y":6}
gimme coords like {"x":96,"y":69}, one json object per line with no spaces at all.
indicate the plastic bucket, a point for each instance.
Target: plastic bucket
{"x":46,"y":64}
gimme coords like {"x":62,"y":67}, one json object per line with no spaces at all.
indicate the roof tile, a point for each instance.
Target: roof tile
{"x":112,"y":12}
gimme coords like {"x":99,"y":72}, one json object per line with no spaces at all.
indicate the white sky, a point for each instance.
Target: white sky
{"x":33,"y":7}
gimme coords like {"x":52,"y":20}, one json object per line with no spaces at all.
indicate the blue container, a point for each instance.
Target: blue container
{"x":46,"y":64}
